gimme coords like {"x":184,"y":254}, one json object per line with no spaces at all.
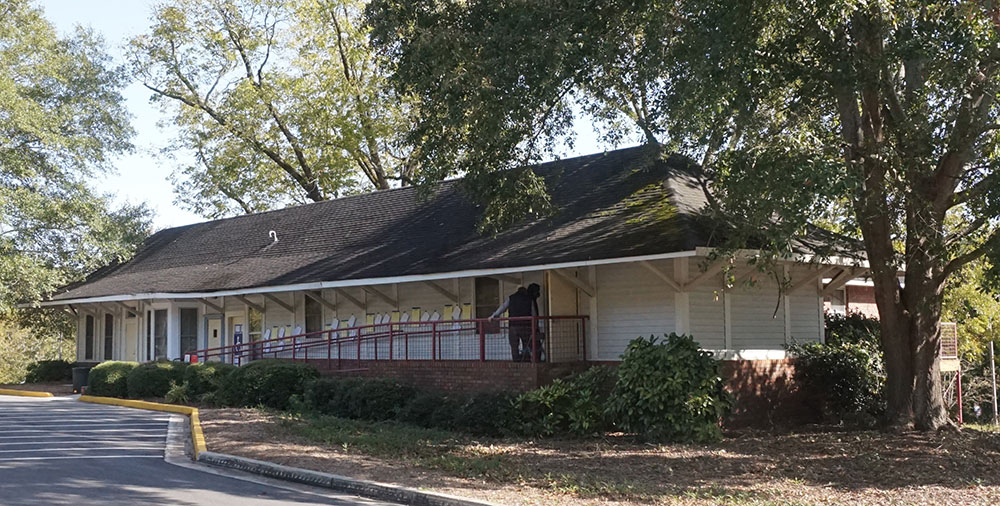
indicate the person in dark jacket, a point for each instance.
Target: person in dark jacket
{"x":522,"y":303}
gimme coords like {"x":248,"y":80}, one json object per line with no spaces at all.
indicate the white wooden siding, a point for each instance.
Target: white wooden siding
{"x":755,"y":324}
{"x":708,"y":317}
{"x":631,"y":303}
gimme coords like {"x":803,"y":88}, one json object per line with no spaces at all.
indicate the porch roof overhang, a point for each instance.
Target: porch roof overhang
{"x":697,"y":252}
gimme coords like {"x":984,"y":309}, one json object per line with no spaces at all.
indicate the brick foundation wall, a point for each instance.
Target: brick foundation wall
{"x":765,"y":393}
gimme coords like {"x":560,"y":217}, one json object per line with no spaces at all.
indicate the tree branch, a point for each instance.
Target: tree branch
{"x":958,"y":262}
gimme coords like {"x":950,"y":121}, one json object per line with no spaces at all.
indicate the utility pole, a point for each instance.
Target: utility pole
{"x":993,"y":377}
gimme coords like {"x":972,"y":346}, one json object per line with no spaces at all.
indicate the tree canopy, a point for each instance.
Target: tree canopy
{"x":879,"y":117}
{"x":62,"y":119}
{"x":278,"y":102}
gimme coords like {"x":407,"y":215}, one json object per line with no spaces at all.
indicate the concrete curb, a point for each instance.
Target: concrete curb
{"x":369,"y":489}
{"x":24,"y":393}
{"x":197,"y":436}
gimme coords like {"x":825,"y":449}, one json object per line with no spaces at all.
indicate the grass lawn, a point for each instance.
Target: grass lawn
{"x":817,"y":466}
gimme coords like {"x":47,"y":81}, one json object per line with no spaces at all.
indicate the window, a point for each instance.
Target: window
{"x":88,"y":338}
{"x":160,"y":334}
{"x":189,"y":330}
{"x":487,"y":296}
{"x":255,"y":324}
{"x":314,"y":315}
{"x":109,"y":335}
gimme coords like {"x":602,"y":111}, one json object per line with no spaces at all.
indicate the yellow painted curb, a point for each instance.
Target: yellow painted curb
{"x":23,"y":393}
{"x":197,"y":436}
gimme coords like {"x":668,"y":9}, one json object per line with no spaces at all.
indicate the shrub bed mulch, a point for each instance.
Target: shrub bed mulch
{"x":55,"y":388}
{"x":819,"y":465}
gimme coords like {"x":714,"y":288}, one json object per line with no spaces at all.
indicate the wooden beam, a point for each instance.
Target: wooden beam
{"x":575,"y":281}
{"x":508,"y":278}
{"x":663,"y":275}
{"x":443,"y":291}
{"x":712,"y":270}
{"x":288,"y":307}
{"x":374,"y":291}
{"x":839,"y":281}
{"x":344,"y":294}
{"x":212,"y":305}
{"x":809,"y":279}
{"x":72,"y":309}
{"x":126,"y":306}
{"x":318,"y":297}
{"x":249,"y":302}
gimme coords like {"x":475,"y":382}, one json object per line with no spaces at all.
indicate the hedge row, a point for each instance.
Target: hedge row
{"x":662,"y":390}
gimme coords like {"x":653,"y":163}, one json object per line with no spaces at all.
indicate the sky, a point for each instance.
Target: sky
{"x":144,"y":175}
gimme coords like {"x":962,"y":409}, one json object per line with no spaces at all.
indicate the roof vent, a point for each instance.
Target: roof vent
{"x":273,"y":235}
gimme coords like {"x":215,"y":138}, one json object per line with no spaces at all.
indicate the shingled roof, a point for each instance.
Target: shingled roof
{"x":610,"y":205}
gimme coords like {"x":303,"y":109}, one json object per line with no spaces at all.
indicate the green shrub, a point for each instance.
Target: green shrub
{"x":360,"y":398}
{"x":848,"y":377}
{"x":668,"y":390}
{"x":179,"y":393}
{"x":206,"y":377}
{"x":49,"y":370}
{"x":486,"y":414}
{"x":853,"y":328}
{"x":110,"y":379}
{"x":430,"y":410}
{"x":153,"y":379}
{"x":270,"y":383}
{"x":574,"y":405}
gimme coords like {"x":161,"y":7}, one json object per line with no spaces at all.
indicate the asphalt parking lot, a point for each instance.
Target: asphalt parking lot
{"x":61,"y":451}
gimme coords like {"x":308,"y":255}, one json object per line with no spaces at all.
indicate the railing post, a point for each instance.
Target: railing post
{"x":406,"y":346}
{"x":390,"y":341}
{"x":534,"y":337}
{"x":329,"y":348}
{"x":293,"y":348}
{"x":482,"y":340}
{"x":583,"y":334}
{"x":433,"y":341}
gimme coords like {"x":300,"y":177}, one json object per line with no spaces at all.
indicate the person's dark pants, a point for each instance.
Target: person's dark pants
{"x":519,"y":333}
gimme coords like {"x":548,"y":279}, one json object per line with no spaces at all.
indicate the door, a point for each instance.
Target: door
{"x":131,"y":337}
{"x":214,"y":336}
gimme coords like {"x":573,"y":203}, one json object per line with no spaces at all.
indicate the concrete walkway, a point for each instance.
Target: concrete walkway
{"x":60,"y":451}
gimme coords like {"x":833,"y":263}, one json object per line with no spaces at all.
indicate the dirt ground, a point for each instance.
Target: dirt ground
{"x":821,"y":465}
{"x":52,"y":388}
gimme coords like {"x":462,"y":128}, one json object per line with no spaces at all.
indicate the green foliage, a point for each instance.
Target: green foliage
{"x":270,"y":383}
{"x":430,"y":410}
{"x":574,"y":405}
{"x":360,"y":398}
{"x":853,"y":328}
{"x":486,"y":414}
{"x":63,"y":121}
{"x":110,"y":379}
{"x":22,"y":347}
{"x":49,"y":370}
{"x":848,"y":376}
{"x":205,"y":377}
{"x":154,"y":379}
{"x":669,"y":390}
{"x":179,"y":393}
{"x":280,"y":101}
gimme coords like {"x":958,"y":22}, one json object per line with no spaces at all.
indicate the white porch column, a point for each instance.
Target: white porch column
{"x":682,"y":300}
{"x":592,"y":330}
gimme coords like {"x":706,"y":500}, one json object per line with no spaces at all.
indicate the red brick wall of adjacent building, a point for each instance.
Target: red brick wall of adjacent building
{"x":764,"y":391}
{"x":861,"y":299}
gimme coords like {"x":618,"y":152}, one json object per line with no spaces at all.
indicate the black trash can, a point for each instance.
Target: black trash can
{"x":80,"y":376}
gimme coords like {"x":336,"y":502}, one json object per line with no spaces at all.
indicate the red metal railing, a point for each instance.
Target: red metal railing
{"x":537,"y":339}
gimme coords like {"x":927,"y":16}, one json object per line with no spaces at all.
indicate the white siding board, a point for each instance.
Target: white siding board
{"x":707,"y":314}
{"x":631,"y":303}
{"x":754,"y":321}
